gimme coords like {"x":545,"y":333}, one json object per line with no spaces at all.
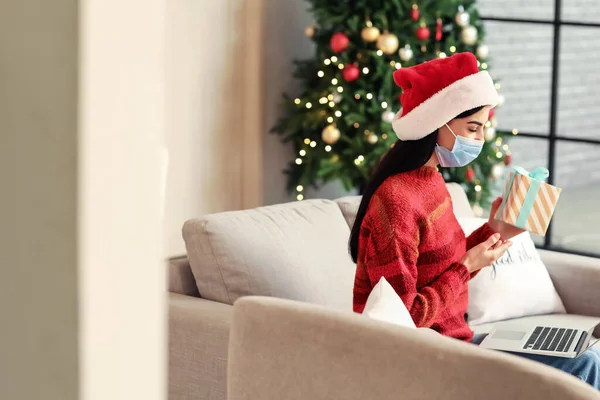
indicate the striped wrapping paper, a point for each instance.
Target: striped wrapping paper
{"x":528,"y":202}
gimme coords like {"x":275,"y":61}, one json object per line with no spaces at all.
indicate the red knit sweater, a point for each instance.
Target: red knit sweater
{"x":411,"y":237}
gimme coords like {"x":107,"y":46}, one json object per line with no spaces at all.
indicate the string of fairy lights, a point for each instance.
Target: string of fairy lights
{"x":331,"y":134}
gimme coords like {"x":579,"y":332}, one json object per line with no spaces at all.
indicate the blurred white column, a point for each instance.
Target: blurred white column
{"x":81,"y":130}
{"x":122,"y":278}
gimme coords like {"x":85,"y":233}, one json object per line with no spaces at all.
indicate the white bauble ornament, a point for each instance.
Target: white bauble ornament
{"x":497,"y":171}
{"x":388,"y":43}
{"x":462,"y":18}
{"x":336,"y":97}
{"x":388,"y":116}
{"x":405,"y":53}
{"x":469,"y":35}
{"x":490,"y":134}
{"x":500,"y":100}
{"x":477,"y":210}
{"x":494,"y":122}
{"x":331,"y":134}
{"x":482,"y":51}
{"x":372,"y":138}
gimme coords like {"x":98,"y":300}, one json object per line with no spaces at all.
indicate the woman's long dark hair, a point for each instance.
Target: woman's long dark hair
{"x":404,"y":156}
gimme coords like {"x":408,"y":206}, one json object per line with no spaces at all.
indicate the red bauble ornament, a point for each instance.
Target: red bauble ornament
{"x":339,"y":42}
{"x":423,"y":32}
{"x":470,"y":174}
{"x":491,"y":114}
{"x":508,"y":159}
{"x":350,"y":73}
{"x":414,"y":13}
{"x":438,"y":30}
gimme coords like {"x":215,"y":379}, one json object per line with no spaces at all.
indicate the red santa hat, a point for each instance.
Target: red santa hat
{"x":436,"y":91}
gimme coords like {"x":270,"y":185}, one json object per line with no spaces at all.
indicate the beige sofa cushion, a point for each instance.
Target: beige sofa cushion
{"x":297,"y":251}
{"x":349,"y":204}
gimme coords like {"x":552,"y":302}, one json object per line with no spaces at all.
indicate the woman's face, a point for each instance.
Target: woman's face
{"x":470,"y":127}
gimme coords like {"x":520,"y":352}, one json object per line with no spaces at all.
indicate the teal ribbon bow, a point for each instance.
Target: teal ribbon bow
{"x":538,"y":176}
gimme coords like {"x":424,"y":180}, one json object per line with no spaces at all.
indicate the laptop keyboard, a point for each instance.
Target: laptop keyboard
{"x":551,"y":339}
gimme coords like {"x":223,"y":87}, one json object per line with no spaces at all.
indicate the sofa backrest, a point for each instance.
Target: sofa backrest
{"x":295,"y":250}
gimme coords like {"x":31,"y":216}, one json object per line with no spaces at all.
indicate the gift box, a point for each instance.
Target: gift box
{"x":528,"y":202}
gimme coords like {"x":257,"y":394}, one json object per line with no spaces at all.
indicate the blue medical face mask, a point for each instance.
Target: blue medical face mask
{"x":463,"y":152}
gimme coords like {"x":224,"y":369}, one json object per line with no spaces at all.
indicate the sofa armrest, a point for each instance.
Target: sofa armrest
{"x":198,"y":339}
{"x":180,"y":277}
{"x":577,"y":281}
{"x":281,"y":349}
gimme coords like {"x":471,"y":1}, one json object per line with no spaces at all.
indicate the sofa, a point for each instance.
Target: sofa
{"x":257,"y":284}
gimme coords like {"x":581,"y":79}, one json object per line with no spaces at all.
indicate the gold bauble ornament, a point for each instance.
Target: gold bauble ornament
{"x":372,"y":138}
{"x":469,"y":35}
{"x":388,"y":43}
{"x":331,"y":134}
{"x":370,"y":34}
{"x":309,"y":31}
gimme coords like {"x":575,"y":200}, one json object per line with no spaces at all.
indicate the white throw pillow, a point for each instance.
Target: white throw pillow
{"x":519,"y":287}
{"x":384,"y":304}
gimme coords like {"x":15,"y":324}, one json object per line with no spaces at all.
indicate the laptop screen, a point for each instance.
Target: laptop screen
{"x":592,"y":343}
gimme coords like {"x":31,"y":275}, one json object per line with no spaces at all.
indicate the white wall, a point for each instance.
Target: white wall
{"x":286,"y":20}
{"x":211,"y":97}
{"x":82,"y":281}
{"x":196,"y":31}
{"x":203,"y":67}
{"x":285,"y":41}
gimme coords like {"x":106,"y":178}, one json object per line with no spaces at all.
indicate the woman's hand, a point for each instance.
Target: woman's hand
{"x":484,"y":254}
{"x":505,"y":230}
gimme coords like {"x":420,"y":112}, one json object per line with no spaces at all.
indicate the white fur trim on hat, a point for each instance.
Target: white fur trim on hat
{"x":473,"y":91}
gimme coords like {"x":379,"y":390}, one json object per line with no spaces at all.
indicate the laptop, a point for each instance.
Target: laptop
{"x":555,"y":337}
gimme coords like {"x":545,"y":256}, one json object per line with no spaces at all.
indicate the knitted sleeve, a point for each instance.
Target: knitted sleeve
{"x":392,"y":252}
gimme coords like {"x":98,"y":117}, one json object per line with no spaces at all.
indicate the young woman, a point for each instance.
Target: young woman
{"x":405,"y":229}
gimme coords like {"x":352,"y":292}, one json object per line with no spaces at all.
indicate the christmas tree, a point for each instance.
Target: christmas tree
{"x":340,"y":122}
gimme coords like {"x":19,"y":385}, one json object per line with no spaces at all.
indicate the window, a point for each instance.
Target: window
{"x":546,"y":54}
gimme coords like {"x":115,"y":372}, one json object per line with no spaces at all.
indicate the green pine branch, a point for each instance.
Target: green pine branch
{"x":357,"y":108}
